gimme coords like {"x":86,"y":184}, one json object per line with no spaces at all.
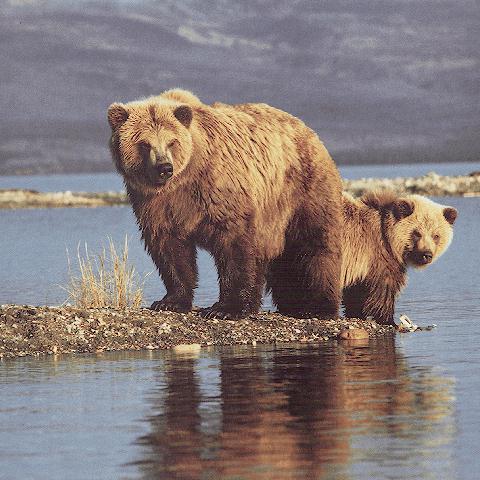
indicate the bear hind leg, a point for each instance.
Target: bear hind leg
{"x":305,"y":279}
{"x":285,"y":284}
{"x":305,"y":284}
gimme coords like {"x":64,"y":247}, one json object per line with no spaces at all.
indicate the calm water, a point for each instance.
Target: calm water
{"x":396,"y":408}
{"x":112,"y":182}
{"x":334,"y":412}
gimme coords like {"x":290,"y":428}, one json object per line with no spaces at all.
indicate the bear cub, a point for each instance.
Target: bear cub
{"x":383,"y":235}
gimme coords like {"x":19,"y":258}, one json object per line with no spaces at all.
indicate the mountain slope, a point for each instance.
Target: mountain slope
{"x":379,"y":81}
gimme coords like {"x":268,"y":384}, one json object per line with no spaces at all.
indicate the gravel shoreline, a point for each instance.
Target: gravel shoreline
{"x":430,"y":185}
{"x":27,"y":330}
{"x":23,"y":198}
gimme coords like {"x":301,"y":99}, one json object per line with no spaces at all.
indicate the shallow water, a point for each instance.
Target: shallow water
{"x":36,"y":244}
{"x":294,"y":411}
{"x":396,"y":408}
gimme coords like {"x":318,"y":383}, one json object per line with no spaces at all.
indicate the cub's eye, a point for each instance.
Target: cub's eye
{"x":172,"y":144}
{"x":416,"y":235}
{"x":436,"y":238}
{"x":144,"y":147}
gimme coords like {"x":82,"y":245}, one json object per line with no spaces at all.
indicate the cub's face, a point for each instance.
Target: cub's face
{"x":151,"y":142}
{"x":422,"y":229}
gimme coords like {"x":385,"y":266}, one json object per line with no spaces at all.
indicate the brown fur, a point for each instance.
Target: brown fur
{"x":383,"y":234}
{"x":249,"y":183}
{"x":181,"y":96}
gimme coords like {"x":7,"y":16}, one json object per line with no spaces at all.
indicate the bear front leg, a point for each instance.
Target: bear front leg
{"x":365,"y":300}
{"x":176,"y":261}
{"x":241,"y":280}
{"x":380,"y":304}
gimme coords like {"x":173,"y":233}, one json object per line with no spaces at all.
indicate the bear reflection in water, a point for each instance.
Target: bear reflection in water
{"x":290,"y":413}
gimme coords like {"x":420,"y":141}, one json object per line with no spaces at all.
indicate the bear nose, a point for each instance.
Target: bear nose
{"x":427,"y":256}
{"x":165,"y":170}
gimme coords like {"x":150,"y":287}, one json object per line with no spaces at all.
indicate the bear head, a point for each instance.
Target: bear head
{"x":417,"y":229}
{"x":151,"y":141}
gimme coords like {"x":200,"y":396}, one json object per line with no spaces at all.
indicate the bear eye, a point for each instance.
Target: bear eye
{"x":436,"y":237}
{"x":144,"y":147}
{"x":171,"y":144}
{"x":416,"y":235}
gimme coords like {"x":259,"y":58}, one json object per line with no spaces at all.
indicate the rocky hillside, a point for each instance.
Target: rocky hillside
{"x":379,"y":81}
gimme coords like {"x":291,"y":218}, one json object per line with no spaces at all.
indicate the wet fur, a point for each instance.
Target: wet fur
{"x":252,"y":185}
{"x":383,"y":234}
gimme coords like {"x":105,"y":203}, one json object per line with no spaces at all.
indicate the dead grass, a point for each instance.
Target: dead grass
{"x":104,"y":280}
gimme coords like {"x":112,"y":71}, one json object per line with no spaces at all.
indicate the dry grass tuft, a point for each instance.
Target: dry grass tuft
{"x":105,"y":280}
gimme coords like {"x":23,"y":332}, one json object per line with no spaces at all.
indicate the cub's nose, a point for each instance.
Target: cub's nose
{"x":165,"y":170}
{"x":427,"y":256}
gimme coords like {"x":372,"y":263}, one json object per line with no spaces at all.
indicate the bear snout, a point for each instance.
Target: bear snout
{"x":427,"y":256}
{"x":423,"y":257}
{"x":164,"y":170}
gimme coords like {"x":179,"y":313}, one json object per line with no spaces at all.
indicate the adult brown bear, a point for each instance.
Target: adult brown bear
{"x":249,"y":183}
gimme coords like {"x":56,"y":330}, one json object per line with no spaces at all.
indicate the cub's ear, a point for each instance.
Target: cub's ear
{"x":117,"y":115}
{"x":184,"y":115}
{"x":402,"y":208}
{"x":450,"y":215}
{"x":379,"y":199}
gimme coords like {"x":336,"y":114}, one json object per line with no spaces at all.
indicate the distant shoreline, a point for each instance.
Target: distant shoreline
{"x":430,"y":185}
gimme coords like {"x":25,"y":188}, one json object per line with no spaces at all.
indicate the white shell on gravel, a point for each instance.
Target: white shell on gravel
{"x":407,"y":324}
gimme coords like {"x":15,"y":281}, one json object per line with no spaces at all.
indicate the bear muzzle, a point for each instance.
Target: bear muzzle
{"x":423,"y":257}
{"x":163,"y":171}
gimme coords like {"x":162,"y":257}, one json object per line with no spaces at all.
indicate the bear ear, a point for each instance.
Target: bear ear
{"x":117,"y":115}
{"x":402,"y":208}
{"x":450,"y":215}
{"x":184,"y":115}
{"x":379,"y":199}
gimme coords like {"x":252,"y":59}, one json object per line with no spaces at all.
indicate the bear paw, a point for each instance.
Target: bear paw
{"x":171,"y":305}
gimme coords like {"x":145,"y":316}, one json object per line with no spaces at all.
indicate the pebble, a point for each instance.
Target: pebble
{"x":354,"y":334}
{"x":191,"y":348}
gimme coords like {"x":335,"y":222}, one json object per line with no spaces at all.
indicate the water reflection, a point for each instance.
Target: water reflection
{"x":337,"y":411}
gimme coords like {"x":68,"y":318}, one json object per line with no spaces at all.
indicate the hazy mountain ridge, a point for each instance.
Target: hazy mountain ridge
{"x":378,"y":81}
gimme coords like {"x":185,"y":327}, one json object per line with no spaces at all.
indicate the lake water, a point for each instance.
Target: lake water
{"x":397,"y":408}
{"x":100,"y":182}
